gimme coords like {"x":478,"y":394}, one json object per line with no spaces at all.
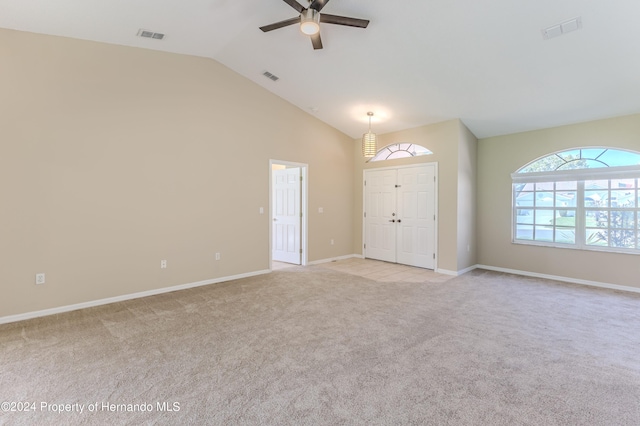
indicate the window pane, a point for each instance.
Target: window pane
{"x":624,"y":198}
{"x":622,"y":238}
{"x":623,"y":183}
{"x":574,"y":154}
{"x":597,"y":218}
{"x":544,"y":233}
{"x":614,"y":158}
{"x":566,"y":235}
{"x":544,"y":199}
{"x":398,"y":154}
{"x":595,"y":198}
{"x":596,"y":184}
{"x":623,"y":219}
{"x":524,"y":199}
{"x":596,"y":237}
{"x":524,"y":232}
{"x":544,"y":186}
{"x":566,"y":199}
{"x":566,"y":217}
{"x":524,"y":216}
{"x":592,"y":152}
{"x":569,"y":185}
{"x":544,"y":217}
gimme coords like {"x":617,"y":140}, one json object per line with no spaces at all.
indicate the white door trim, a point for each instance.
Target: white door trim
{"x":364,"y":204}
{"x":304,"y":172}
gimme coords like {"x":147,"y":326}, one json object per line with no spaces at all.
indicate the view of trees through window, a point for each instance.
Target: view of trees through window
{"x":550,"y":208}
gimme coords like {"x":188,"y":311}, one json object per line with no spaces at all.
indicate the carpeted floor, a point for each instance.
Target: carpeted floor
{"x":315,"y":346}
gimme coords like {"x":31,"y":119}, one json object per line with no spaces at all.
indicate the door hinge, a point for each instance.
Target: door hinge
{"x":365,"y":183}
{"x":300,"y":178}
{"x":365,"y":214}
{"x":434,"y":178}
{"x":434,"y":217}
{"x":300,"y":214}
{"x":434,"y":255}
{"x":365,"y":246}
{"x":301,"y":252}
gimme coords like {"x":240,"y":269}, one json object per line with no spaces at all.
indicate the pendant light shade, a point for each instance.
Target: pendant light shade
{"x":369,"y":141}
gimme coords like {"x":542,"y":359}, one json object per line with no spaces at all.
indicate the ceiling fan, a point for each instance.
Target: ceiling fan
{"x":310,"y":19}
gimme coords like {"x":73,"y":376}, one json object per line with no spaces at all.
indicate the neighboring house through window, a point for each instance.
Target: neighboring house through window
{"x":583,"y":198}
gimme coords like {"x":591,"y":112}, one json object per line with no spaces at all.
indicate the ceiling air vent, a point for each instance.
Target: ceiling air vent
{"x":271,"y":76}
{"x":150,"y":34}
{"x":562,"y":28}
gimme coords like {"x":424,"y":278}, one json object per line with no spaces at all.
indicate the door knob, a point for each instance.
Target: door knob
{"x":399,"y":220}
{"x":392,"y":220}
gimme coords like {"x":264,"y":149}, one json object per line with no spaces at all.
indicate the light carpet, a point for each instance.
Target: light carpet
{"x":314,"y":346}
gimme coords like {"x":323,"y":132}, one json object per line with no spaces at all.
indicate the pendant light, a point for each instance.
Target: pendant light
{"x":369,"y":143}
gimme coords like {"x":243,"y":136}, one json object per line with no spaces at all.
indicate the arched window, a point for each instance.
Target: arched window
{"x":400,"y":150}
{"x":586,"y":198}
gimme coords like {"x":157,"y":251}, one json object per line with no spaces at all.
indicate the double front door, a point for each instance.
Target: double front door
{"x":399,"y":216}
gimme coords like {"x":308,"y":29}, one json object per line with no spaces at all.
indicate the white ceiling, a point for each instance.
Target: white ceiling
{"x":418,"y":62}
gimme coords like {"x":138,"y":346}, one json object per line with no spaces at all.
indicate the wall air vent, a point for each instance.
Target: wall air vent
{"x":562,"y":28}
{"x":270,"y":76}
{"x":150,"y":34}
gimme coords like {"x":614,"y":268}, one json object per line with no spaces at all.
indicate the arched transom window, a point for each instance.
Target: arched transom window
{"x":586,"y":198}
{"x":400,"y":150}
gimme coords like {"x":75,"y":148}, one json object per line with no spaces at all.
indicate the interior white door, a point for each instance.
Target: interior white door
{"x":416,"y":216}
{"x":380,"y":211}
{"x":400,"y":215}
{"x":286,"y":205}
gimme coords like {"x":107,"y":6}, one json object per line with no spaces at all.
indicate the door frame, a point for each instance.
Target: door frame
{"x":304,"y":173}
{"x":435,"y":207}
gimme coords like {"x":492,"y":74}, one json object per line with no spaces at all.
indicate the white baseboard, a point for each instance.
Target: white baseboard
{"x":456,"y":273}
{"x":560,"y":278}
{"x":90,"y":304}
{"x":332,"y":259}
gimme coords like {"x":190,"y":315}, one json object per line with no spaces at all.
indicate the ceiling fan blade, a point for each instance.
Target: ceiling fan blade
{"x":280,"y":24}
{"x":318,"y":4}
{"x":343,"y":20}
{"x":316,"y":41}
{"x":294,"y":4}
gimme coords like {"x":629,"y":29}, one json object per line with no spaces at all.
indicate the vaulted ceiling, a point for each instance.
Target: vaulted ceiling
{"x":418,"y":62}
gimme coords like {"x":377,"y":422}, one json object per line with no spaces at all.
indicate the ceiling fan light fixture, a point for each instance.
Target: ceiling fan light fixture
{"x":369,"y":141}
{"x":310,"y":22}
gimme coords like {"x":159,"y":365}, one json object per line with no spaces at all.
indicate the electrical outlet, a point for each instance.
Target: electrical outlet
{"x":217,"y":256}
{"x":163,"y":264}
{"x":332,"y":241}
{"x":40,"y":279}
{"x":261,"y":210}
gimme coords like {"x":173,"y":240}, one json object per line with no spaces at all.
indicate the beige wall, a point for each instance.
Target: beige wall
{"x":444,"y":139}
{"x":467,"y":214}
{"x":114,"y":158}
{"x":498,"y":157}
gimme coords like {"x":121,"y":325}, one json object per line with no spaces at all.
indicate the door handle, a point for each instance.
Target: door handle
{"x":392,"y":220}
{"x":399,"y":220}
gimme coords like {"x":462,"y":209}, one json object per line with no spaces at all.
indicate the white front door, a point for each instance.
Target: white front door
{"x":416,"y":216}
{"x":400,"y":215}
{"x":380,"y":211}
{"x":286,"y":215}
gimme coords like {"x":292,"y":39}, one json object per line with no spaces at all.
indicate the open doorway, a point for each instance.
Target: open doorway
{"x":287,"y":214}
